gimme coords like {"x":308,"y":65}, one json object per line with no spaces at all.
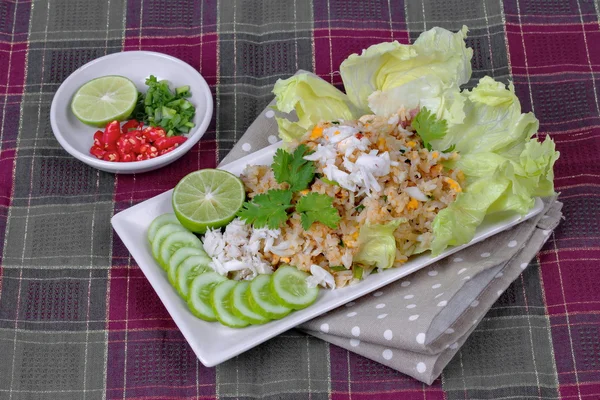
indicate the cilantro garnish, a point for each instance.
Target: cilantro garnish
{"x":293,"y":168}
{"x":267,"y":209}
{"x":428,"y":127}
{"x":317,"y":207}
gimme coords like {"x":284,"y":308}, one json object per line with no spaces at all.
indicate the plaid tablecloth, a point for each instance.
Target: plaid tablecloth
{"x":78,"y":320}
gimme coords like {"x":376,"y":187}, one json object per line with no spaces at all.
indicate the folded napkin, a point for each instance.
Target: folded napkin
{"x":417,"y":324}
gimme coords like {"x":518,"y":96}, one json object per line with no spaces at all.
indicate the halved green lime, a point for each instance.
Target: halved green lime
{"x":104,"y":99}
{"x":208,"y":198}
{"x":289,"y":287}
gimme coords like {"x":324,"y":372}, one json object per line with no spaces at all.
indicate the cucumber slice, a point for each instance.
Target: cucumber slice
{"x":190,"y":268}
{"x":159,"y":222}
{"x":161,"y":235}
{"x":220,"y":299}
{"x":262,"y":301}
{"x":174,"y":242}
{"x":289,"y":287}
{"x":240,"y":306}
{"x":178,"y":257}
{"x":200,"y":290}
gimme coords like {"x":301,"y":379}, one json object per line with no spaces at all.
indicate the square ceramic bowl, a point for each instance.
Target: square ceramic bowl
{"x":77,"y":138}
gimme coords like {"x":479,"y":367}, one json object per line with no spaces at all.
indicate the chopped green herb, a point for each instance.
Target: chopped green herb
{"x":449,"y":149}
{"x":359,"y":208}
{"x":161,"y":107}
{"x":335,"y":122}
{"x":338,"y":268}
{"x":316,"y":207}
{"x":428,"y":127}
{"x":267,"y":209}
{"x":328,"y":181}
{"x":293,"y":168}
{"x":342,"y":244}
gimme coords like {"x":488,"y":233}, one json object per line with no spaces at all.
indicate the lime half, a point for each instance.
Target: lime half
{"x":208,"y":198}
{"x":103,"y":100}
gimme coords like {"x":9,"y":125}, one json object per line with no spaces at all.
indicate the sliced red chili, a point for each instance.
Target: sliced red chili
{"x":111,"y":156}
{"x":165,"y":151}
{"x":127,"y":157}
{"x":166,"y":142}
{"x":134,"y":141}
{"x":130,"y":125}
{"x":141,"y":157}
{"x":97,"y":151}
{"x":123,"y":145}
{"x":98,"y":139}
{"x":153,"y":134}
{"x":111,"y":135}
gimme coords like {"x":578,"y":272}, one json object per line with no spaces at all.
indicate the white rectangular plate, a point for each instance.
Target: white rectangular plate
{"x":214,"y":343}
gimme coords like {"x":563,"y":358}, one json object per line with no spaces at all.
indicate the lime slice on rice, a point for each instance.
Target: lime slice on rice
{"x":208,"y":198}
{"x":103,"y":100}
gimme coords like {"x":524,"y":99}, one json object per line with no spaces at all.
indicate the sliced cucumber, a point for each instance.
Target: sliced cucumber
{"x":240,"y":306}
{"x":174,"y":242}
{"x":190,"y":268}
{"x":161,"y":235}
{"x":289,"y":287}
{"x":200,"y":290}
{"x":262,"y":301}
{"x":220,"y":299}
{"x":159,"y":222}
{"x":178,"y":257}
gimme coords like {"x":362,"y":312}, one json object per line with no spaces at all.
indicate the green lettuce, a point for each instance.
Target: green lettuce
{"x":434,"y":66}
{"x":505,"y":169}
{"x":313,"y":100}
{"x":377,"y":245}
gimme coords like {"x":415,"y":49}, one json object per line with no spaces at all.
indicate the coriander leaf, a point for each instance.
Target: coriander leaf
{"x":293,"y":168}
{"x":317,"y":207}
{"x":267,"y":209}
{"x":428,"y":127}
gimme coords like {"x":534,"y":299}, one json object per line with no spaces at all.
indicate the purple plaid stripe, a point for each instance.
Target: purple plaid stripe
{"x":113,"y":338}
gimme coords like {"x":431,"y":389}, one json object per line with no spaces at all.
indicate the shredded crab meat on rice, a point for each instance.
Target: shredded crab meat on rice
{"x":376,"y":170}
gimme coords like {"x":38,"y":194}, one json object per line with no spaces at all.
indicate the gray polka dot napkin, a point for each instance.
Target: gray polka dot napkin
{"x":417,"y":324}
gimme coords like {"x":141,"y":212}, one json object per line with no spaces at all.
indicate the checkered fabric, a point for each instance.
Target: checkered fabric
{"x":78,"y":319}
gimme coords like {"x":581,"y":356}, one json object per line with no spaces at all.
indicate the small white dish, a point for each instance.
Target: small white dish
{"x":214,"y":343}
{"x":77,"y":138}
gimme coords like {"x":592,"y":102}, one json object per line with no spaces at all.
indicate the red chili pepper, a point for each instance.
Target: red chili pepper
{"x":98,"y":139}
{"x":141,"y":157}
{"x":165,"y":151}
{"x":111,"y":156}
{"x":127,"y":157}
{"x":166,"y":142}
{"x":123,"y":145}
{"x":97,"y":152}
{"x":111,"y":135}
{"x":130,"y":125}
{"x":153,"y":134}
{"x":134,"y":141}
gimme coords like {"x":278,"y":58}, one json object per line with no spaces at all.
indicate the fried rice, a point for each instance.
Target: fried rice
{"x":376,"y":170}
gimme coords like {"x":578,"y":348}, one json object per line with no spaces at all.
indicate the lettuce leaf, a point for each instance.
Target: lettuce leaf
{"x":313,"y":100}
{"x":438,"y":60}
{"x":377,"y":245}
{"x":504,"y":168}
